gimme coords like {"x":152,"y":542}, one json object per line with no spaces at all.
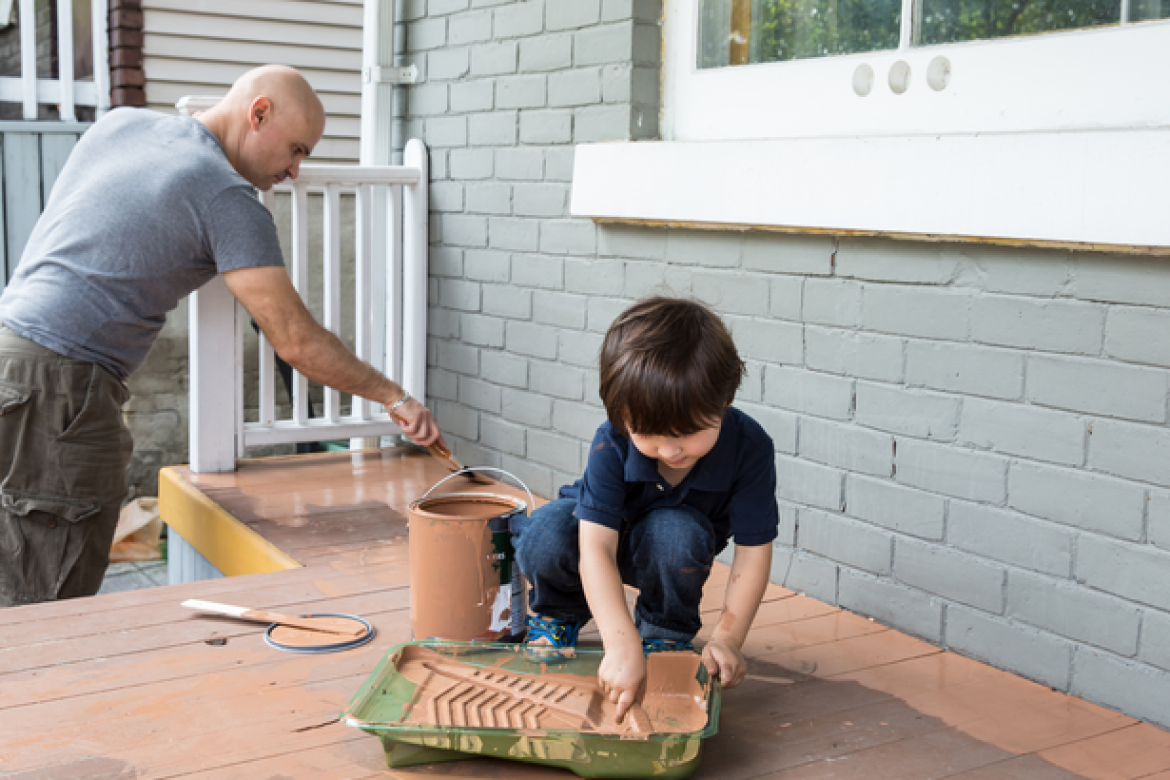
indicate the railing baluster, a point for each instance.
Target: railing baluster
{"x":101,"y":55}
{"x":267,"y":363}
{"x":300,"y":279}
{"x":267,"y":389}
{"x":28,"y":57}
{"x":362,"y":264}
{"x":65,"y":59}
{"x":394,"y":284}
{"x":331,"y":268}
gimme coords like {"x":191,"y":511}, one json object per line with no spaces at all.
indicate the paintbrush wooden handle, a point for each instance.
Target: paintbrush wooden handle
{"x":261,"y":616}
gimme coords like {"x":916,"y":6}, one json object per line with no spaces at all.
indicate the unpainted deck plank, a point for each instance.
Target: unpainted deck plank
{"x":922,"y":757}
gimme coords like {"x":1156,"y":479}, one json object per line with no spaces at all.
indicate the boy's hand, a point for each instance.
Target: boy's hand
{"x":724,"y":659}
{"x":622,"y":674}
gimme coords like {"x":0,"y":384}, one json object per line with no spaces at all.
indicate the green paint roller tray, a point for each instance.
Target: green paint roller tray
{"x":444,"y":701}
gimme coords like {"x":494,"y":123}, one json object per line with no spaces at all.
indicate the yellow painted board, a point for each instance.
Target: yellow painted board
{"x":228,"y":544}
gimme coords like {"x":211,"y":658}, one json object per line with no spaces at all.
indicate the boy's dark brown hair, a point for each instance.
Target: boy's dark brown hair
{"x":668,"y":368}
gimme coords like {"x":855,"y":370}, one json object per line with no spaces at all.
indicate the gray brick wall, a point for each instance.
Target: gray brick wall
{"x":972,"y":442}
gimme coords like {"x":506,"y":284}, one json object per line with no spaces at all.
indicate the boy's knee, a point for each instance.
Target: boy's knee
{"x":551,"y":527}
{"x":677,"y":532}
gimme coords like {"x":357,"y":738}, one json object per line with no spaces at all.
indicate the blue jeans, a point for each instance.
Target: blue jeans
{"x":666,"y":554}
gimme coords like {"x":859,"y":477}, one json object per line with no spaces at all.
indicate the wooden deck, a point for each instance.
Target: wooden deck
{"x":128,"y":686}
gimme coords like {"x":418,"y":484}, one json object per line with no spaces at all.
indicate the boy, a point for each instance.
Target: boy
{"x":672,"y":474}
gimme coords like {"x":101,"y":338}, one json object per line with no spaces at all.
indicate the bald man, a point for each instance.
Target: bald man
{"x":148,"y":208}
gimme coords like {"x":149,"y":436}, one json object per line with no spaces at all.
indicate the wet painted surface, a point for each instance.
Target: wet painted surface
{"x":127,"y":685}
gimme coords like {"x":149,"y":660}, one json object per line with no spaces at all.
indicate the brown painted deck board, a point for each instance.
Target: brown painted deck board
{"x":125,"y":685}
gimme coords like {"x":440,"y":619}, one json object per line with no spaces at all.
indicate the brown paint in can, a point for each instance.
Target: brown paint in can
{"x":461,"y":566}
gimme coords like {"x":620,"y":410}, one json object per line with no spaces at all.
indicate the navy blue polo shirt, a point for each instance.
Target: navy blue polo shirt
{"x":733,"y":485}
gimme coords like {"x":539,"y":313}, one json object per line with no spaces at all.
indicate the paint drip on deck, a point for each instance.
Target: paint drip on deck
{"x":461,"y":565}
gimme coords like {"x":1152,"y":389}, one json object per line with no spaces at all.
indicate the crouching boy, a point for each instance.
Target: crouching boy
{"x":672,"y":474}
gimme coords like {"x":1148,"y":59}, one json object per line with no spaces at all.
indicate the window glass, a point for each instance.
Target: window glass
{"x":742,"y":32}
{"x":1142,"y":10}
{"x":950,"y":21}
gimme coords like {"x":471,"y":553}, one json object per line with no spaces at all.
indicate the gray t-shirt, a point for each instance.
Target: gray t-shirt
{"x":146,"y":209}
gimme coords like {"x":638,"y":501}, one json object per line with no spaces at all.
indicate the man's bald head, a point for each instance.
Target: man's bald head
{"x":268,"y":122}
{"x":284,"y":86}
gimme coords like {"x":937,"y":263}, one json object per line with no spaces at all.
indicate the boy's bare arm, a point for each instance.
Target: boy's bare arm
{"x":749,"y":578}
{"x":623,"y":670}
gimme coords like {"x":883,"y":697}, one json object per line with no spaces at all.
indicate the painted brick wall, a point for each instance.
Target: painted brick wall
{"x":971,"y":441}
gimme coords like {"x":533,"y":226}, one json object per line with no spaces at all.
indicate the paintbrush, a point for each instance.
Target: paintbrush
{"x":442,"y":453}
{"x":328,"y":625}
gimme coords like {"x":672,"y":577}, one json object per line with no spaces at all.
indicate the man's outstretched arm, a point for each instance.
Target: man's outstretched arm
{"x":268,"y":295}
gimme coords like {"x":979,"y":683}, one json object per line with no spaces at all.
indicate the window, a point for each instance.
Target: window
{"x":796,"y":68}
{"x":743,"y":32}
{"x":1035,"y":122}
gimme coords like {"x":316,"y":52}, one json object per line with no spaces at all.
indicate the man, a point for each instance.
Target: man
{"x":148,"y":208}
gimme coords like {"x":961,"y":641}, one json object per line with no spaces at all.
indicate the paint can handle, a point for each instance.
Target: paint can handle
{"x":481,"y":469}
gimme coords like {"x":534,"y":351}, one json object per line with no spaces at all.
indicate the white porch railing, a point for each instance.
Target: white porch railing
{"x":219,"y":434}
{"x":64,"y":91}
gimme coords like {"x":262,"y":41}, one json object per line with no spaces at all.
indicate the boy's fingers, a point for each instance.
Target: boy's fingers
{"x":623,"y":705}
{"x":712,"y":663}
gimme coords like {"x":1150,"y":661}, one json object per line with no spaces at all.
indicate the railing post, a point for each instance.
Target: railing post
{"x":414,"y":273}
{"x":214,"y":383}
{"x":376,"y":149}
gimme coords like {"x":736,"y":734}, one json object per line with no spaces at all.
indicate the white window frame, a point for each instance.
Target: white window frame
{"x":1059,"y":139}
{"x":1090,"y":79}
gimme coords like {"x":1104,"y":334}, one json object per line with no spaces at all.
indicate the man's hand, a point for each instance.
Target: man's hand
{"x":725,"y":660}
{"x":622,"y":674}
{"x":417,"y":422}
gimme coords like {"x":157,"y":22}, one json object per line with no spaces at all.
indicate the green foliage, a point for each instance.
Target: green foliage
{"x":947,"y":21}
{"x":799,"y":29}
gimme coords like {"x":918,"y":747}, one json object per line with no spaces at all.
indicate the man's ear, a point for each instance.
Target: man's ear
{"x":259,"y":112}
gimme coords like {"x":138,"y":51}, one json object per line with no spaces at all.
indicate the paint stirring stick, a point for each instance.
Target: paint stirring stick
{"x":331,"y":626}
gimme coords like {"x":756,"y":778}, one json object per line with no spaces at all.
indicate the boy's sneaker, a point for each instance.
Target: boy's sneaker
{"x":551,"y":632}
{"x":665,"y":646}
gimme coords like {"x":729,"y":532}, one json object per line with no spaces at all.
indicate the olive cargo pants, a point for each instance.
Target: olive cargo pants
{"x":64,"y":450}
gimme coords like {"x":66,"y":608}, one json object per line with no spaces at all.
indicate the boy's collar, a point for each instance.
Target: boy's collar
{"x":714,"y":471}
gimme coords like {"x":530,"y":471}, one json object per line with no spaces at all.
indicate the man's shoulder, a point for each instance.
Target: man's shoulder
{"x":124,"y":120}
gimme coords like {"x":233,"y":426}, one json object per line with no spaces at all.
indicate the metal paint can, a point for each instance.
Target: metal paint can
{"x":464,"y":583}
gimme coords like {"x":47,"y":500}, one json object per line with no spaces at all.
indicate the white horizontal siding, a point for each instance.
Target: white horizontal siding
{"x":199,"y":47}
